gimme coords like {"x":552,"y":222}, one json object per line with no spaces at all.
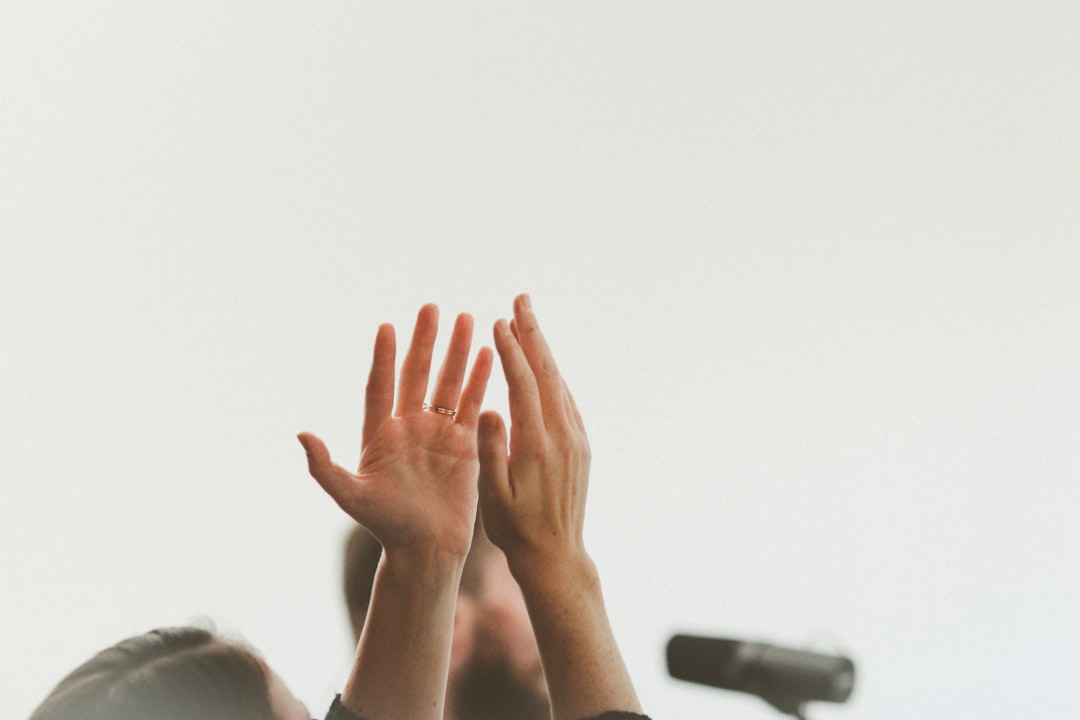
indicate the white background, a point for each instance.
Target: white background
{"x":811,"y":270}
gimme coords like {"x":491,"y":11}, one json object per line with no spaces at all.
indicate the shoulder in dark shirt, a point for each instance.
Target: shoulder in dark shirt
{"x":340,"y":712}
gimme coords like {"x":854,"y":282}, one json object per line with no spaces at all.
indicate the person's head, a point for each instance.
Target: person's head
{"x":495,"y":669}
{"x":182,"y":673}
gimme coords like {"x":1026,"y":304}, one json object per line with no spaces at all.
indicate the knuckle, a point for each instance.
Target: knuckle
{"x":533,"y":454}
{"x":571,"y":440}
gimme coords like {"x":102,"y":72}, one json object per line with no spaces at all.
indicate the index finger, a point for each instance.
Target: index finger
{"x":535,"y":348}
{"x":526,"y":413}
{"x":379,"y":398}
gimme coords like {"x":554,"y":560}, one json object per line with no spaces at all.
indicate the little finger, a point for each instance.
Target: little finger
{"x":472,"y":397}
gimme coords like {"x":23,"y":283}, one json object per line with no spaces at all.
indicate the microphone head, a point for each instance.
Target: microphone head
{"x":786,"y":678}
{"x":707,"y":661}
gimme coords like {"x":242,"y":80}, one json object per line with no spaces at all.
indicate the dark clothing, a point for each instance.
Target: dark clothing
{"x":340,"y":712}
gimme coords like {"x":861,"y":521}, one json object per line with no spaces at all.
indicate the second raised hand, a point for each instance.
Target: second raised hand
{"x":416,"y":483}
{"x":533,"y":498}
{"x":533,"y":502}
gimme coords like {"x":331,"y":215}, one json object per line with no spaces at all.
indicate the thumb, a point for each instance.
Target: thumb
{"x":334,"y":479}
{"x":494,"y":475}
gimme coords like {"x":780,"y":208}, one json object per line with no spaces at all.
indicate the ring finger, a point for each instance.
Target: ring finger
{"x":448,"y":385}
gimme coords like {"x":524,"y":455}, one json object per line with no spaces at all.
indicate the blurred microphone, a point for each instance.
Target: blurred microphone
{"x":784,"y":678}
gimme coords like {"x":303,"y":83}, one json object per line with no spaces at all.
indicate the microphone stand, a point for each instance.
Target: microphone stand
{"x":786,"y":705}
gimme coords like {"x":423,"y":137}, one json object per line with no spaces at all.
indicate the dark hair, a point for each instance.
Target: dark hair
{"x":183,"y":673}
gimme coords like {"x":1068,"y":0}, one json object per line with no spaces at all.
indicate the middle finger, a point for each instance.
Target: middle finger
{"x":417,"y":364}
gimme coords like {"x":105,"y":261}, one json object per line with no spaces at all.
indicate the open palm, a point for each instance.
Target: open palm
{"x":417,"y":481}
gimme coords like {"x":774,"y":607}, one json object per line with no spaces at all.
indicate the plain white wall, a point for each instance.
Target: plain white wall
{"x":812,"y":272}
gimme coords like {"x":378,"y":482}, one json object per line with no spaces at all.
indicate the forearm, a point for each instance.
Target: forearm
{"x":404,"y":651}
{"x":585,"y":672}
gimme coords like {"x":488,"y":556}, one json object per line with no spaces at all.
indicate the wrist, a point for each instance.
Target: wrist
{"x":422,"y":562}
{"x":550,"y":573}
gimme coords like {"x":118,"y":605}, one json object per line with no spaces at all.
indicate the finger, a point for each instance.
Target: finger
{"x":495,"y":490}
{"x":526,"y":413}
{"x":452,"y":372}
{"x":567,"y":399}
{"x":575,"y":414}
{"x":473,"y":395}
{"x":548,"y":381}
{"x":379,"y":398}
{"x":338,"y":482}
{"x":412,"y":386}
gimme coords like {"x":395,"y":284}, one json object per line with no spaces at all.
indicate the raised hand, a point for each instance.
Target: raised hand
{"x":533,"y":502}
{"x":534,"y":498}
{"x":416,"y":484}
{"x":416,"y":492}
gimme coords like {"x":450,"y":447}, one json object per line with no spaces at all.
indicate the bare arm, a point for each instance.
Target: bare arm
{"x":533,"y":501}
{"x":415,"y":490}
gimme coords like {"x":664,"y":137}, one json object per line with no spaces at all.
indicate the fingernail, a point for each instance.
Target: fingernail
{"x":526,"y":301}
